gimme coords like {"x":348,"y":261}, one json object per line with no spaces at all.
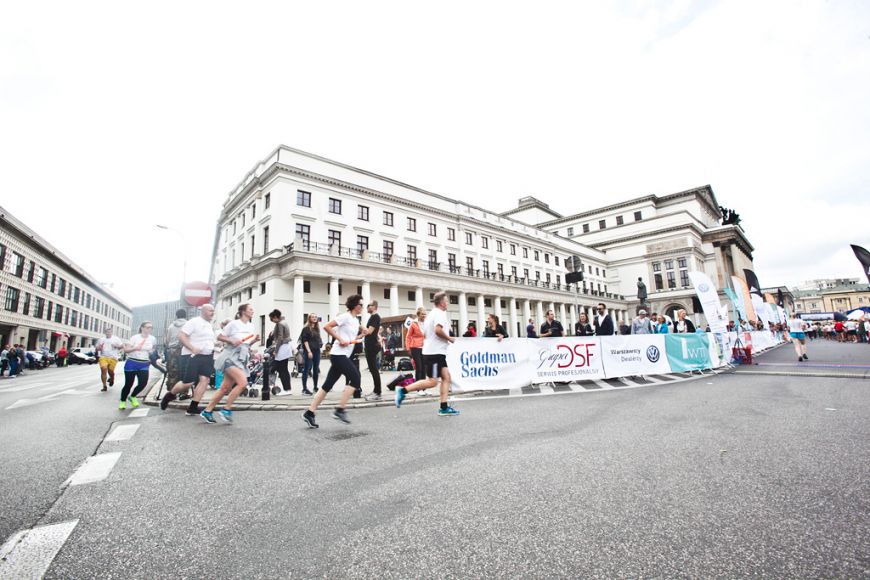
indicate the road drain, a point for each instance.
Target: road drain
{"x":346,"y":435}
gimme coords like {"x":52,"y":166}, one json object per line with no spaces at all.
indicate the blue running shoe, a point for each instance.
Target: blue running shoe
{"x":401,"y":393}
{"x":207,"y":416}
{"x":226,"y":415}
{"x":449,"y":411}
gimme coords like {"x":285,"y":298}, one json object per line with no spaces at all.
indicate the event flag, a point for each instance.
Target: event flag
{"x":863,"y":257}
{"x":755,"y":296}
{"x":736,"y":305}
{"x":709,"y":299}
{"x":743,"y":292}
{"x":752,"y":282}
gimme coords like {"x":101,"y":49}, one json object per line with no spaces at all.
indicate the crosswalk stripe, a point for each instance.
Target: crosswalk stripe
{"x":29,"y":553}
{"x":123,"y":432}
{"x":95,"y":468}
{"x":138,"y":413}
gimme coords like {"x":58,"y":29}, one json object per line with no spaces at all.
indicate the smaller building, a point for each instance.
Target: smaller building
{"x":842,"y":298}
{"x":161,"y":315}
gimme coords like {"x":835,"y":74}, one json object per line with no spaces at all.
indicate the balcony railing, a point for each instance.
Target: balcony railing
{"x":301,"y":246}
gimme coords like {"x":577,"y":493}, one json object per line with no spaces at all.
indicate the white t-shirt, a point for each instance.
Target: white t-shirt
{"x":795,"y":325}
{"x":432,"y":343}
{"x":109,"y":347}
{"x":239,"y":330}
{"x":201,"y":335}
{"x":347,"y":329}
{"x":143,"y":345}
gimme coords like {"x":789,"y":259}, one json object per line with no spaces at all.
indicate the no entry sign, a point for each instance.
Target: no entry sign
{"x":196,"y":293}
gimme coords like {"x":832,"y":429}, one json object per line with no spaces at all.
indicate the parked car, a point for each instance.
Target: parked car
{"x":81,"y":356}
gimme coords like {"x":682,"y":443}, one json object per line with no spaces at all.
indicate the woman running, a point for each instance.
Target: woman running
{"x":138,"y":352}
{"x":414,"y":342}
{"x":797,"y":331}
{"x":238,"y":335}
{"x":312,"y":344}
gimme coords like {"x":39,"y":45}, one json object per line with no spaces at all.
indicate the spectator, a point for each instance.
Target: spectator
{"x":683,"y":325}
{"x":583,"y":328}
{"x":603,"y":322}
{"x":661,"y":325}
{"x":641,"y":324}
{"x":552,"y":327}
{"x":493,"y":328}
{"x":530,"y":329}
{"x":470,"y":330}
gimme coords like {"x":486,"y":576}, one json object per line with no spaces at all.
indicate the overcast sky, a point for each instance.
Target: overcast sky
{"x":116,"y":116}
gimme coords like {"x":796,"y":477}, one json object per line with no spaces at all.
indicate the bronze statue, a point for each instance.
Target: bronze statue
{"x":641,"y":290}
{"x":729,"y":216}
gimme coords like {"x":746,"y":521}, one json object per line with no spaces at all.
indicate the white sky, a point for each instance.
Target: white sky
{"x":115,"y":116}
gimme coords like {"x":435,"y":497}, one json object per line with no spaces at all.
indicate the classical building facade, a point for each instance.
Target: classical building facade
{"x":301,"y":233}
{"x":833,"y":298}
{"x":47,"y":299}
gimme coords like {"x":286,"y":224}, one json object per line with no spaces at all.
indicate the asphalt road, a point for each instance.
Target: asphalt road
{"x":724,"y":476}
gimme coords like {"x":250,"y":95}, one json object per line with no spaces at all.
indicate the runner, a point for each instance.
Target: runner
{"x":107,"y":349}
{"x":347,"y":332}
{"x":238,"y":335}
{"x":435,"y":343}
{"x":138,"y":351}
{"x":797,"y":330}
{"x":172,"y":348}
{"x":197,"y":354}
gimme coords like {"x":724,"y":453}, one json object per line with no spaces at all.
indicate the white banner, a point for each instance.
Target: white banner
{"x":486,"y":363}
{"x":717,"y":316}
{"x":568,"y":359}
{"x":630,"y":355}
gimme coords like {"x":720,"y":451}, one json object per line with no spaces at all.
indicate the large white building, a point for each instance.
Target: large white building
{"x":301,"y":233}
{"x":48,"y":299}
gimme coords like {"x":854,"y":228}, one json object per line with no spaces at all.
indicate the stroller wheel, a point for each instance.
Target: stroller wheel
{"x":276,"y":390}
{"x":254,"y":393}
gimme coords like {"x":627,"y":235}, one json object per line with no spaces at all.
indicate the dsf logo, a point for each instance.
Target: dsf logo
{"x":566,"y":356}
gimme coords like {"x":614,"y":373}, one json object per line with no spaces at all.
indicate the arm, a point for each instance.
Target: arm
{"x":184,"y":339}
{"x":329,"y":328}
{"x":439,"y":331}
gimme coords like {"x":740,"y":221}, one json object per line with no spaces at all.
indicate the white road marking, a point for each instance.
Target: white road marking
{"x":576,"y":387}
{"x":95,"y":468}
{"x":603,"y":385}
{"x":546,"y":389}
{"x":123,"y":432}
{"x":138,"y":413}
{"x":29,"y":553}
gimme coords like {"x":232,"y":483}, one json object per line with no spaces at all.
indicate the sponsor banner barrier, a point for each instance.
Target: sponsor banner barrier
{"x":568,"y":359}
{"x":641,"y":354}
{"x":487,"y":364}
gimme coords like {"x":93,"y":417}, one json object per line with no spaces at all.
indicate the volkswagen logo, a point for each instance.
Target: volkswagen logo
{"x":653,"y":354}
{"x":703,"y":287}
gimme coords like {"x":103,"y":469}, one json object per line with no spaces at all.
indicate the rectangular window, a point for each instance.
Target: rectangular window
{"x":262,"y":288}
{"x":500,"y":268}
{"x":513,"y":249}
{"x":268,"y":200}
{"x":25,"y":310}
{"x":602,"y":224}
{"x":548,"y":278}
{"x":657,"y":267}
{"x":681,"y":262}
{"x":2,"y":258}
{"x":76,"y":295}
{"x":412,"y":296}
{"x":454,"y":299}
{"x":306,"y":286}
{"x":42,"y":277}
{"x":451,"y":234}
{"x":469,"y":238}
{"x":412,"y":254}
{"x":234,"y":227}
{"x":546,"y":258}
{"x":570,"y":232}
{"x":253,"y":246}
{"x":451,"y":262}
{"x":585,"y":228}
{"x":335,"y":239}
{"x":31,"y":272}
{"x":17,"y":265}
{"x":12,"y":299}
{"x":362,"y":243}
{"x":484,"y":241}
{"x":58,"y":313}
{"x":49,"y":310}
{"x":242,"y":252}
{"x":684,"y":278}
{"x":39,"y":307}
{"x":388,"y":218}
{"x":619,"y":220}
{"x":669,"y":264}
{"x":362,"y":212}
{"x":637,"y":216}
{"x":597,"y":271}
{"x":469,"y":265}
{"x":334,"y":205}
{"x":253,"y":211}
{"x":537,"y":256}
{"x":388,"y":250}
{"x":266,"y":239}
{"x":386,"y":293}
{"x":433,"y":229}
{"x":303,"y":198}
{"x":412,"y":225}
{"x":672,"y":279}
{"x":558,"y":280}
{"x":303,"y":232}
{"x":525,"y":273}
{"x":514,"y":271}
{"x":53,"y":281}
{"x":486,"y":268}
{"x":433,"y":259}
{"x":537,"y":276}
{"x":526,"y":253}
{"x":499,"y":247}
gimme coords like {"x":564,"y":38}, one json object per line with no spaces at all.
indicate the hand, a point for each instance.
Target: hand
{"x":257,"y":338}
{"x":309,"y":352}
{"x":196,"y":351}
{"x":235,"y":341}
{"x":451,"y":339}
{"x":343,"y":343}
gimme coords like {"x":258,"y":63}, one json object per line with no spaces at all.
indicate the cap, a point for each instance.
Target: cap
{"x":641,"y":312}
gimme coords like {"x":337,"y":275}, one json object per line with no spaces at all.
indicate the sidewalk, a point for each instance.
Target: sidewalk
{"x":296,"y":401}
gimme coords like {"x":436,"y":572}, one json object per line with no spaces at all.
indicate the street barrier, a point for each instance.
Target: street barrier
{"x":487,"y":364}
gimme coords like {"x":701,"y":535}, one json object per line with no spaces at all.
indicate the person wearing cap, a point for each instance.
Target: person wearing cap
{"x":641,"y":324}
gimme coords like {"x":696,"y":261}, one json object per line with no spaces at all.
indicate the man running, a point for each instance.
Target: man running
{"x":107,"y":350}
{"x":435,"y":343}
{"x":347,"y":331}
{"x":197,"y":353}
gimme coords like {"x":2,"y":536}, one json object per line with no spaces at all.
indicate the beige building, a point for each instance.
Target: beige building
{"x":844,"y":298}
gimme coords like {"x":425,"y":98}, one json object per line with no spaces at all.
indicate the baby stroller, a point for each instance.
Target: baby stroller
{"x":388,"y":360}
{"x":255,"y":374}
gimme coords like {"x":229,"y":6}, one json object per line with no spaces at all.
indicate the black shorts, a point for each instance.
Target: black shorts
{"x":433,"y":363}
{"x":198,"y":365}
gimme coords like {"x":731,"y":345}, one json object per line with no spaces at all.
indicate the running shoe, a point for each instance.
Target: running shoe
{"x":192,"y":412}
{"x":806,"y":357}
{"x":112,"y":382}
{"x":167,"y":398}
{"x":134,"y":402}
{"x":104,"y":389}
{"x":207,"y":416}
{"x":401,"y":393}
{"x":122,"y":405}
{"x":448,"y":412}
{"x":306,"y":392}
{"x":341,"y":415}
{"x":374,"y":397}
{"x":226,"y":415}
{"x":308,"y":417}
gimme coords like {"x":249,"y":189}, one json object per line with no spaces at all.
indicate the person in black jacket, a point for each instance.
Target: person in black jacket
{"x":583,"y":328}
{"x":683,"y":324}
{"x":603,"y":323}
{"x":552,"y":327}
{"x":493,"y":329}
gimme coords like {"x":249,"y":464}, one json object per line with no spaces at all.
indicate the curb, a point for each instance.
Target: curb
{"x":268,"y":406}
{"x":803,"y":374}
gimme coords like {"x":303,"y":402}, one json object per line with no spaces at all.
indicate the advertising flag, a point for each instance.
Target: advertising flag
{"x":736,"y":305}
{"x":863,"y":257}
{"x":743,"y":292}
{"x":709,"y":299}
{"x":752,"y":282}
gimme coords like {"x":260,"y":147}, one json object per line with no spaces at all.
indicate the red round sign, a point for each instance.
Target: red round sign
{"x":196,"y":293}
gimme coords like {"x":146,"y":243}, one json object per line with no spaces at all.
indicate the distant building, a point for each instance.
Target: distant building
{"x":843,"y":298}
{"x":47,"y":299}
{"x":161,"y":316}
{"x":826,"y":283}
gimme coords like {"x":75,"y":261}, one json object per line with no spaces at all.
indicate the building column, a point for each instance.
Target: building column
{"x":394,"y":300}
{"x":463,"y":312}
{"x":539,"y":315}
{"x":496,"y":306}
{"x":515,"y":328}
{"x":298,"y":311}
{"x":561,"y":315}
{"x":333,"y":298}
{"x":481,"y":313}
{"x":574,"y":318}
{"x":418,"y":296}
